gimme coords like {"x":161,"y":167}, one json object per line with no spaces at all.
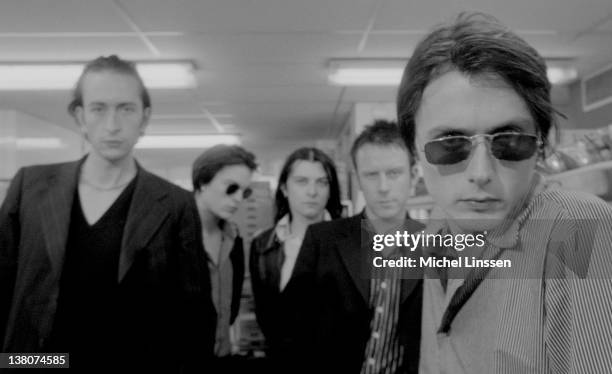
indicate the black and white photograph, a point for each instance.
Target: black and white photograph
{"x":306,"y":186}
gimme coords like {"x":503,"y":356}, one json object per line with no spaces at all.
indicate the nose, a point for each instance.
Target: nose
{"x":237,"y":197}
{"x":111,"y":122}
{"x":311,"y":189}
{"x":480,"y":168}
{"x":383,"y":183}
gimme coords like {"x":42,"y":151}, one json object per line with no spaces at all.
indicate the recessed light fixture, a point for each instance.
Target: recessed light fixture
{"x":388,"y":72}
{"x":33,"y":143}
{"x":63,"y":76}
{"x":186,"y":141}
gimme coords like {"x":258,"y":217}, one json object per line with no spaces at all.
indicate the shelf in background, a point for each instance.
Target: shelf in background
{"x":603,"y":165}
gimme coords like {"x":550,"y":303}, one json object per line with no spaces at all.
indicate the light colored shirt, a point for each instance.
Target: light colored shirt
{"x":551,"y":312}
{"x":221,"y":278}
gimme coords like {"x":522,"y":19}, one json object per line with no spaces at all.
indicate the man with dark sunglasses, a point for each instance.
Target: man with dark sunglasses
{"x":221,"y":176}
{"x":474,"y":108}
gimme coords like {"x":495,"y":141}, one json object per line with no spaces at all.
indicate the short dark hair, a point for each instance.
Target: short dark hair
{"x":382,"y":133}
{"x":114,"y":64}
{"x":208,"y":164}
{"x":477,"y":45}
{"x":333,"y":206}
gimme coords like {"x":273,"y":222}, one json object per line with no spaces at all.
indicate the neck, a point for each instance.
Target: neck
{"x":299,"y":223}
{"x":385,"y":224}
{"x":103,"y":173}
{"x":210,"y":222}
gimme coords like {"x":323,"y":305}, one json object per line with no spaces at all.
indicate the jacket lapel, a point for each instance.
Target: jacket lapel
{"x":410,"y":280}
{"x":354,"y":253}
{"x":272,"y":262}
{"x":55,"y":210}
{"x":146,"y":214}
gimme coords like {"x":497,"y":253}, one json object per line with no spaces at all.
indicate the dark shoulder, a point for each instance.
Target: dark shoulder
{"x":34,"y":175}
{"x":335,"y":228}
{"x":262,"y":237}
{"x":176,"y":193}
{"x":45,"y":170}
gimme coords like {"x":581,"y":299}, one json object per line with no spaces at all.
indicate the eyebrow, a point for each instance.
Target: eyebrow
{"x":520,"y":124}
{"x":105,"y":103}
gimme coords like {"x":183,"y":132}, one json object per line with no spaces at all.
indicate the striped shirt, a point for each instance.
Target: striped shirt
{"x":551,"y":312}
{"x":384,"y":353}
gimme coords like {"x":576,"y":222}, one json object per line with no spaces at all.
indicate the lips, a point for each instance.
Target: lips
{"x":112,"y":143}
{"x":481,"y":203}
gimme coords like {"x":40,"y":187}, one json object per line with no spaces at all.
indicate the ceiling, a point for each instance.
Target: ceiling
{"x":261,"y":64}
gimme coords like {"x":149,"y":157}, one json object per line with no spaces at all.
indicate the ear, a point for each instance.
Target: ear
{"x":416,"y":170}
{"x":146,"y":116}
{"x":79,"y":116}
{"x":416,"y":173}
{"x":283,"y":189}
{"x":358,"y":179}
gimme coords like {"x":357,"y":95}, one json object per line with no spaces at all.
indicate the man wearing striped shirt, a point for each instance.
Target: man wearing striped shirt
{"x":350,"y":318}
{"x":475,"y":111}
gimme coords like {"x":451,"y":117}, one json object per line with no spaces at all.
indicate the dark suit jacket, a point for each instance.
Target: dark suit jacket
{"x":331,"y":287}
{"x":237,"y":259}
{"x":162,"y":277}
{"x":265,"y":266}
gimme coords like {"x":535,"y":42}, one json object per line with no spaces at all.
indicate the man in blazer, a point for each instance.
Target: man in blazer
{"x":100,"y":258}
{"x":352,"y":317}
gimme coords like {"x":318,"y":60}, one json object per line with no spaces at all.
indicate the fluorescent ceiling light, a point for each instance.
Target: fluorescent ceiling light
{"x":186,"y":141}
{"x":366,"y":72}
{"x":33,"y":143}
{"x":561,"y":75}
{"x":63,"y":76}
{"x":378,"y":72}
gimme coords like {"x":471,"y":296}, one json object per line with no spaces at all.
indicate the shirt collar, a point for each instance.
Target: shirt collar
{"x":283,"y":226}
{"x":229,"y":230}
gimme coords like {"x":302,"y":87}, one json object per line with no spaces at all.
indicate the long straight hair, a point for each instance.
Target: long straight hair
{"x":333,"y":206}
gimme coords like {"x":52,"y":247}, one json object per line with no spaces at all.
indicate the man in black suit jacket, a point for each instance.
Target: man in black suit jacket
{"x":351,"y":317}
{"x":100,"y":258}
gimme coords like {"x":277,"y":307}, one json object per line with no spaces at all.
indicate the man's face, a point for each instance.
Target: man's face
{"x":478,"y":192}
{"x":224,"y":193}
{"x":383,"y":173}
{"x":112,"y":116}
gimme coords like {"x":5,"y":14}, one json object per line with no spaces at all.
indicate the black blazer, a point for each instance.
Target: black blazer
{"x":330,"y":287}
{"x":237,"y":259}
{"x":162,"y":276}
{"x":264,"y":266}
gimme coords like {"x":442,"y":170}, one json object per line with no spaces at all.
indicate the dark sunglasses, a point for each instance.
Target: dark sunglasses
{"x":508,"y":146}
{"x":234,"y":187}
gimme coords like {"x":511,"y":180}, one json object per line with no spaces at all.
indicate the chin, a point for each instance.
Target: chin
{"x":475,"y":221}
{"x":113,"y":156}
{"x":386,"y":214}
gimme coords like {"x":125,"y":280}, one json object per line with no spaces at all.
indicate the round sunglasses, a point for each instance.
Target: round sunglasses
{"x":507,"y":146}
{"x":235,"y":187}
